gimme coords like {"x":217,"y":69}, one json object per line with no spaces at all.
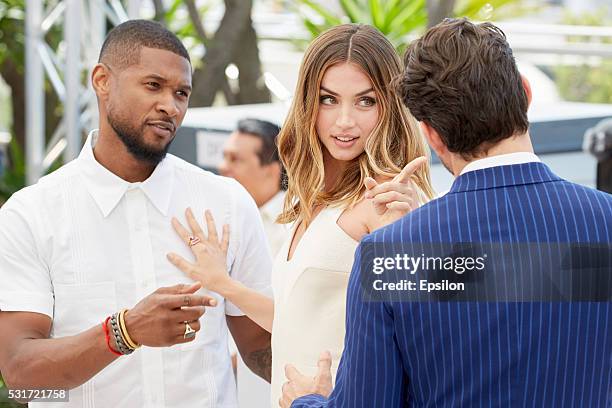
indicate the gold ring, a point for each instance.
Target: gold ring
{"x":189,"y":332}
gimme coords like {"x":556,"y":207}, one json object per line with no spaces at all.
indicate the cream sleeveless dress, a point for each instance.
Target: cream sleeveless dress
{"x":310,"y":298}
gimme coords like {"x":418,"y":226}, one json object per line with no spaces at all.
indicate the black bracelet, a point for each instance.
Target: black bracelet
{"x":123,"y":348}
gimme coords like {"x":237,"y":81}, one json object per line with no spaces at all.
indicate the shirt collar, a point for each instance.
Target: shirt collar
{"x":107,"y":188}
{"x":501,"y":160}
{"x":274,"y":206}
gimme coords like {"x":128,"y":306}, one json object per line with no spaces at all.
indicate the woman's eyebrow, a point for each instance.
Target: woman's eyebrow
{"x":336,"y":94}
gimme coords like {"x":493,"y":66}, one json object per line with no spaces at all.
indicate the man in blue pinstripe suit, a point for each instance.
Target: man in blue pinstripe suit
{"x":462,"y":84}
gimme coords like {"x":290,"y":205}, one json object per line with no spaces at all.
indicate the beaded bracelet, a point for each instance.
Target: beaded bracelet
{"x":123,"y":348}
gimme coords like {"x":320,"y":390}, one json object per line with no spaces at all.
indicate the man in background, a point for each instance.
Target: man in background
{"x":251,"y":157}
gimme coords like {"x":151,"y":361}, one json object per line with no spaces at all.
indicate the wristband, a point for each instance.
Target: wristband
{"x":123,"y":348}
{"x":128,"y":340}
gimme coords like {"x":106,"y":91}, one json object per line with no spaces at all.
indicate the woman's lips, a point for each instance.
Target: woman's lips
{"x":345,"y":141}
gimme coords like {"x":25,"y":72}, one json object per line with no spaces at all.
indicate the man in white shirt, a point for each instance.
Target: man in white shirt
{"x":251,"y":157}
{"x":91,"y":239}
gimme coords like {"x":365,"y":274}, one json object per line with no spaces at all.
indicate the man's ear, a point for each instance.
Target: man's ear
{"x":433,"y":138}
{"x":100,"y":79}
{"x":527,"y":87}
{"x":273,"y":170}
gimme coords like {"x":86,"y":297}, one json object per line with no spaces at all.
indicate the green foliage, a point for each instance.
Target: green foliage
{"x":12,"y":36}
{"x":394,"y":18}
{"x":182,"y":25}
{"x":586,"y":82}
{"x":397,"y":19}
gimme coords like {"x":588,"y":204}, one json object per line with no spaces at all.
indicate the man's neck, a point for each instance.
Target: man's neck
{"x":264,"y":196}
{"x":515,"y":144}
{"x":111,"y":153}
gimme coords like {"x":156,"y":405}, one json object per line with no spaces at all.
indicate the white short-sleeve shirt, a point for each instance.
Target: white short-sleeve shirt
{"x":277,"y":233}
{"x":83,"y":243}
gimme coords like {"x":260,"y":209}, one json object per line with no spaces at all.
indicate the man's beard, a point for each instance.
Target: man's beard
{"x":133,"y":140}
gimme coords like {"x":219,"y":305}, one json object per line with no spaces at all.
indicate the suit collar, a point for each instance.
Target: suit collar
{"x":503,"y":176}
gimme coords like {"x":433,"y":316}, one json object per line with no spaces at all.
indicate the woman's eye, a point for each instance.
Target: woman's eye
{"x":327,"y":100}
{"x":367,"y":101}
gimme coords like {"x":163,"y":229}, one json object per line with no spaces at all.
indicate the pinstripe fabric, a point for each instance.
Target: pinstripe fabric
{"x":477,"y":354}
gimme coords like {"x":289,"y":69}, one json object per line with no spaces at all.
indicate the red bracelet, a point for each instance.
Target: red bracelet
{"x":107,"y":336}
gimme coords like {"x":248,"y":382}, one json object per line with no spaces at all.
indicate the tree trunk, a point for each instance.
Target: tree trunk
{"x":234,"y":40}
{"x":246,"y":57}
{"x":160,"y":13}
{"x":438,"y":10}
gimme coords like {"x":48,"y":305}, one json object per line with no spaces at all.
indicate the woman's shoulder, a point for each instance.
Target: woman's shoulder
{"x":355,"y":220}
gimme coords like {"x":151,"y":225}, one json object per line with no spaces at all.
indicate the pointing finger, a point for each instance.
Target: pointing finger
{"x":180,"y":288}
{"x":410,"y":168}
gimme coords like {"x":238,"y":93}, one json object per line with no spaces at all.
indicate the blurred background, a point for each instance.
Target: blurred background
{"x":246,"y":55}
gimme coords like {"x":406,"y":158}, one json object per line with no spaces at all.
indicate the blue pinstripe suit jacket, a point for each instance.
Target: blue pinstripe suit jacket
{"x":477,"y":354}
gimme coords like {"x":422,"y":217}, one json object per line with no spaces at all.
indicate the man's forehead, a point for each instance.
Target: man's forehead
{"x":163,"y":64}
{"x":242,"y":142}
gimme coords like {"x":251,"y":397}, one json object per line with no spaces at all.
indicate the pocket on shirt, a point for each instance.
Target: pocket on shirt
{"x":82,"y":306}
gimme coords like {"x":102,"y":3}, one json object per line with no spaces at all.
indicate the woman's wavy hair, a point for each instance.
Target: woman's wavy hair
{"x":393,"y":143}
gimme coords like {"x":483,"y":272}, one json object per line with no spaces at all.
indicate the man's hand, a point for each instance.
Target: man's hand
{"x":394,"y":199}
{"x":159,"y":319}
{"x":300,"y":385}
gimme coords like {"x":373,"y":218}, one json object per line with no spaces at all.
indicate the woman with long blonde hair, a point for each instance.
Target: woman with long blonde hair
{"x":355,"y":162}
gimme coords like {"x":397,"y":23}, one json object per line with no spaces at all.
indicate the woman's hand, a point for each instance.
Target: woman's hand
{"x":298,"y":385}
{"x":395,"y":198}
{"x":210,"y":253}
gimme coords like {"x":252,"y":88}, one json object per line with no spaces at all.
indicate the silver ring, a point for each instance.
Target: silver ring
{"x":189,"y":332}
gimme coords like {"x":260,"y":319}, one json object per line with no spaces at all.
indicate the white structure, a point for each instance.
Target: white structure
{"x":84,"y":29}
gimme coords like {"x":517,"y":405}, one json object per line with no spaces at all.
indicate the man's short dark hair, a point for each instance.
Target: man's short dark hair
{"x":264,"y":131}
{"x":461,"y":79}
{"x":123,"y":43}
{"x":267,"y":133}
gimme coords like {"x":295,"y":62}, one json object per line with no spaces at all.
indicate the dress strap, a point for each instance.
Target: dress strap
{"x":333,"y":213}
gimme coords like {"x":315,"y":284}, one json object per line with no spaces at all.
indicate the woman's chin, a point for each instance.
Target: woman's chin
{"x":346,"y":155}
{"x":345,"y":159}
